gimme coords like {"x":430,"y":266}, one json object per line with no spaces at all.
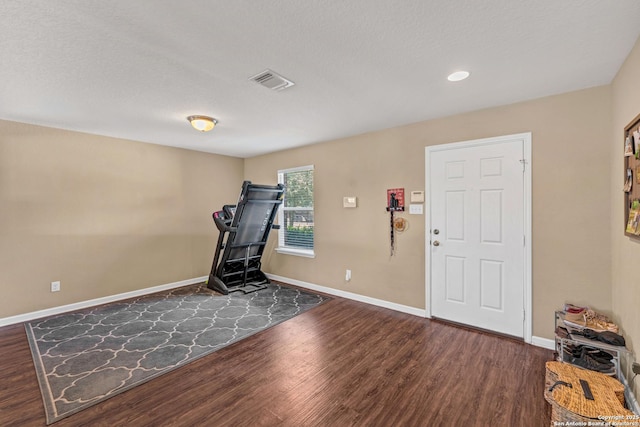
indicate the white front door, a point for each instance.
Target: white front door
{"x":477,"y":223}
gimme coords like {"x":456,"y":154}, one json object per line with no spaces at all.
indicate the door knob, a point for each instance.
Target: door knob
{"x":436,"y":243}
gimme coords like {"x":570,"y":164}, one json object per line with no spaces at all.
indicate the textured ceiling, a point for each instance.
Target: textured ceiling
{"x":136,"y":69}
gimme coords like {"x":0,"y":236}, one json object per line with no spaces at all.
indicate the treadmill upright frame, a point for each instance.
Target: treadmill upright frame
{"x":243,"y":237}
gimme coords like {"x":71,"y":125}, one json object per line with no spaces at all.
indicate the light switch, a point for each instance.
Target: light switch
{"x":415,"y":209}
{"x":349,"y":202}
{"x":417,"y":197}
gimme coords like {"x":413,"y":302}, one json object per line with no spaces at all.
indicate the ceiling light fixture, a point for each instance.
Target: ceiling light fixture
{"x":457,"y":76}
{"x":202,"y":123}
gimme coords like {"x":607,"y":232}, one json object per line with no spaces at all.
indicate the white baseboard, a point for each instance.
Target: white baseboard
{"x":98,"y":301}
{"x":543,"y":342}
{"x":352,"y":296}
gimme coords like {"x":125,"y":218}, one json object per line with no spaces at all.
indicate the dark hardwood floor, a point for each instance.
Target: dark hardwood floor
{"x":341,"y":364}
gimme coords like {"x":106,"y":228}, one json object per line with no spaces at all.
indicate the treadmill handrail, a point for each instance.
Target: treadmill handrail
{"x":223,"y":224}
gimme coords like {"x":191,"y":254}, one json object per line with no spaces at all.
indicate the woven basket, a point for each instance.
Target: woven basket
{"x":569,"y":403}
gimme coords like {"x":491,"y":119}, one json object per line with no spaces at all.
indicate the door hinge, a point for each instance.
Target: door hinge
{"x":524,"y":241}
{"x":523,"y":162}
{"x":523,"y":315}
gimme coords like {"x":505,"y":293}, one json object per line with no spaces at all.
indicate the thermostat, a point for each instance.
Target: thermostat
{"x":417,"y":197}
{"x":349,"y":202}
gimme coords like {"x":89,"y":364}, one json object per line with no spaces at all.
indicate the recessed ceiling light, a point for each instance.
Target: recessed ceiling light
{"x":457,"y":76}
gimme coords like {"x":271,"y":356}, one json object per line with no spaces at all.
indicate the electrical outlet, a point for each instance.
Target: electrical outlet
{"x":347,"y":276}
{"x":635,"y":367}
{"x":55,"y":286}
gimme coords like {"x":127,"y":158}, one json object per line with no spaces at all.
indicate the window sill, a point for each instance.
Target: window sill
{"x":297,"y":252}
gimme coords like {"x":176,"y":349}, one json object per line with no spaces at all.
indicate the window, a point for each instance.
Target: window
{"x":296,"y":213}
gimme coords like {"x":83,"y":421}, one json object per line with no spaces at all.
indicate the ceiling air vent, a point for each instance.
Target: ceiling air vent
{"x":272,"y":80}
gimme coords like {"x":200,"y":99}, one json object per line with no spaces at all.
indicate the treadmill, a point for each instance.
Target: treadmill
{"x":244,"y":229}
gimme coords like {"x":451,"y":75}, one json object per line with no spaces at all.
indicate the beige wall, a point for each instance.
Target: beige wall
{"x":571,"y":200}
{"x":625,"y":251}
{"x":107,"y":216}
{"x":102,"y":215}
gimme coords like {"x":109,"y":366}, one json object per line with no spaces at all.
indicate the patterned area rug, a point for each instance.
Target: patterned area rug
{"x":85,"y":357}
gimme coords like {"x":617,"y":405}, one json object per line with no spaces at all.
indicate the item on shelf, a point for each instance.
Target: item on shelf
{"x":628,"y":146}
{"x":588,"y":318}
{"x":609,"y":337}
{"x":579,"y":349}
{"x":587,"y":358}
{"x":628,"y":183}
{"x":573,"y":309}
{"x":599,"y":355}
{"x":634,"y":218}
{"x":562,"y":332}
{"x":606,"y":337}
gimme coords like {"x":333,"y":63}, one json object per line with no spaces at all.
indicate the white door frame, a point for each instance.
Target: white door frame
{"x":528,"y":288}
